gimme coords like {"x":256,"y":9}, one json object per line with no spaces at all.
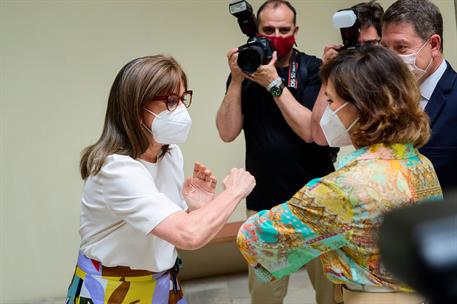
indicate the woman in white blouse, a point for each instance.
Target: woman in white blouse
{"x":136,"y":207}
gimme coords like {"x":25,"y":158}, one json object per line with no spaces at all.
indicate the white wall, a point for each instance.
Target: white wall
{"x":57,"y":62}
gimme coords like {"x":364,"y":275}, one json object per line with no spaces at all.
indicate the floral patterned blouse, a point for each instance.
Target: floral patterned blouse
{"x":336,"y":217}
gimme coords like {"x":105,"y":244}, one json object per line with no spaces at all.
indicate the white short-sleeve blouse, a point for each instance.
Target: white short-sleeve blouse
{"x":123,"y":202}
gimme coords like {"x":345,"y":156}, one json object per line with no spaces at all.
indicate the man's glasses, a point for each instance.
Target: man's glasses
{"x":172,"y":101}
{"x":371,"y":42}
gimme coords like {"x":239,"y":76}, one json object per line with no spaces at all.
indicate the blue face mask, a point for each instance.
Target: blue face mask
{"x":335,"y":132}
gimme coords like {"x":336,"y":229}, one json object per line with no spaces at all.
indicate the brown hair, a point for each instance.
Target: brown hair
{"x":385,"y":93}
{"x":137,"y":83}
{"x":370,"y":14}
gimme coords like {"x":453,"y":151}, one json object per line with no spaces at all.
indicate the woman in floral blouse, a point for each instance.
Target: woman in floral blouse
{"x":373,"y":104}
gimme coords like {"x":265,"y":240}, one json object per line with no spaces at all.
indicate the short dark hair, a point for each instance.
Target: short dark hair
{"x":423,"y":15}
{"x":274,"y":4}
{"x":370,"y":14}
{"x":385,"y":93}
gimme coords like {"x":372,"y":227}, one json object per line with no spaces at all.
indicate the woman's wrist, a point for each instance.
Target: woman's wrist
{"x":234,"y":194}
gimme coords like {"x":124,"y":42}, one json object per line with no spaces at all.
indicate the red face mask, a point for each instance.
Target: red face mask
{"x":282,"y":45}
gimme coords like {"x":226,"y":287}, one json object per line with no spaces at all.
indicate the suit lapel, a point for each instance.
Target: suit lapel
{"x":439,"y":96}
{"x":434,"y":106}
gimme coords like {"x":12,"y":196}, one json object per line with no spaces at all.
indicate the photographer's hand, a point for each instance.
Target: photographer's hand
{"x":265,"y":74}
{"x":237,"y":74}
{"x":330,"y":51}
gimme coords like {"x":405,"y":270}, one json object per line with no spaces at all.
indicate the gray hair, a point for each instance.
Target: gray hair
{"x":423,"y":15}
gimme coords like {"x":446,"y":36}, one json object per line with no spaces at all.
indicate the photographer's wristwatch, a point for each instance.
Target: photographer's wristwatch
{"x":276,"y":90}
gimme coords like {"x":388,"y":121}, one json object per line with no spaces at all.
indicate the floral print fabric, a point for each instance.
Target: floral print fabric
{"x":335,"y":218}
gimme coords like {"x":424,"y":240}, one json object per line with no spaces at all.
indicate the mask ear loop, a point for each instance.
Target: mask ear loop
{"x":425,"y":43}
{"x":150,"y":112}
{"x":142,"y":123}
{"x":428,"y":65}
{"x":354,"y":122}
{"x":342,"y":106}
{"x":144,"y":126}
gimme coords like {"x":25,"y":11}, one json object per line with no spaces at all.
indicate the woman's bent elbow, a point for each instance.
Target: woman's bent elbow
{"x":191,"y":238}
{"x":191,"y":243}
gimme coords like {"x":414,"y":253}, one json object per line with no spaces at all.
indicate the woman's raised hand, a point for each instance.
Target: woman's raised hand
{"x":199,"y":189}
{"x":239,"y":180}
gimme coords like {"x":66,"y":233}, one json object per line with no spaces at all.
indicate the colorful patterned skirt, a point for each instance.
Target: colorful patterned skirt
{"x":93,"y":283}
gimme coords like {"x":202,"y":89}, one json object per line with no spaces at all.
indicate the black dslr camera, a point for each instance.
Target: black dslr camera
{"x":348,"y":23}
{"x":257,"y":50}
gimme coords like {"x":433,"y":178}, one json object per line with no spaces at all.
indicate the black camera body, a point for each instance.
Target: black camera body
{"x":257,"y":50}
{"x":254,"y":53}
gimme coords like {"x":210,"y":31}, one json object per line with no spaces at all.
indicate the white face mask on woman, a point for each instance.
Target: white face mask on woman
{"x":410,"y":61}
{"x":335,"y":132}
{"x":171,"y":127}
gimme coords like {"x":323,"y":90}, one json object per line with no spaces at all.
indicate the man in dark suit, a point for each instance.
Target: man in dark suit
{"x":414,"y":30}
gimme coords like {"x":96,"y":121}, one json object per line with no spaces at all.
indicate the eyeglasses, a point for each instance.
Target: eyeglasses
{"x":371,"y":42}
{"x":172,"y":101}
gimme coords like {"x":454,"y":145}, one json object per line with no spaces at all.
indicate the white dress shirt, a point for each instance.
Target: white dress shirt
{"x":429,"y":84}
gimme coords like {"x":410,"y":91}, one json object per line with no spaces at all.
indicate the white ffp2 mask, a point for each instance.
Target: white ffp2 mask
{"x":410,"y":60}
{"x":335,"y":132}
{"x":171,"y":127}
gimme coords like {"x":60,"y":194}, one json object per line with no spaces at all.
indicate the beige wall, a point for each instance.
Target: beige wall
{"x":58,"y":60}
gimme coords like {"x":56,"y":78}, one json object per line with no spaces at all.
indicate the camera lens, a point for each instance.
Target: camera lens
{"x":250,"y":58}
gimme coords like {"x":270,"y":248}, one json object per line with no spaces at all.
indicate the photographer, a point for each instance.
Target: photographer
{"x":273,"y":107}
{"x":369,"y":18}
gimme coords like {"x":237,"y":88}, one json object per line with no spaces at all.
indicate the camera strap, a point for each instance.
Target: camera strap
{"x":298,"y":69}
{"x":292,"y":81}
